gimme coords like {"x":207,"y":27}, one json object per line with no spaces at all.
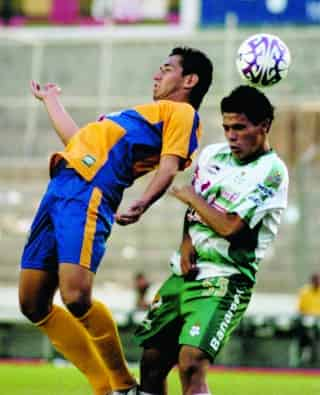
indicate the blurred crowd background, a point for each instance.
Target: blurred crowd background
{"x":87,"y":12}
{"x":103,"y":54}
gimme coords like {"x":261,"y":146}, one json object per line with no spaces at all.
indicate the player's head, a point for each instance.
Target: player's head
{"x":315,"y":280}
{"x":185,"y":76}
{"x":247,"y":116}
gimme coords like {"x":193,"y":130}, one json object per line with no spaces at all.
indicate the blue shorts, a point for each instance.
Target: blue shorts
{"x":72,"y":224}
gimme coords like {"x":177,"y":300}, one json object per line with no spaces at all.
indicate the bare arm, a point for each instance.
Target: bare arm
{"x":168,"y":168}
{"x":225,"y":224}
{"x":62,"y":122}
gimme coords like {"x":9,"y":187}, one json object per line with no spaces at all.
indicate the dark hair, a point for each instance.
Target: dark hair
{"x":250,"y":101}
{"x":194,"y":61}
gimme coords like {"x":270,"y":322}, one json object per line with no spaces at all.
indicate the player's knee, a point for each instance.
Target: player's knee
{"x":34,"y":311}
{"x":192,"y":361}
{"x":77,"y":303}
{"x":75,"y":291}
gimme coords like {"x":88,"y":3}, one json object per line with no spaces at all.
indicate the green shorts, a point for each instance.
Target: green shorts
{"x":201,"y":313}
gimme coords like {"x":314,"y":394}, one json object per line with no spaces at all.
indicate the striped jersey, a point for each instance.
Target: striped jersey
{"x":123,"y":146}
{"x":256,"y":191}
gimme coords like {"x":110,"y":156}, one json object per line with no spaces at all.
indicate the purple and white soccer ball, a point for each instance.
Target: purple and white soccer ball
{"x":263,"y":60}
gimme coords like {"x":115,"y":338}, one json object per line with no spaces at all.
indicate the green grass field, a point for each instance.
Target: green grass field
{"x":52,"y":380}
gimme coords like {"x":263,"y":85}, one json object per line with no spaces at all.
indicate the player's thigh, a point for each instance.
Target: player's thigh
{"x":156,"y":364}
{"x":212,"y":309}
{"x":82,"y":226}
{"x":162,"y":323}
{"x":75,"y":283}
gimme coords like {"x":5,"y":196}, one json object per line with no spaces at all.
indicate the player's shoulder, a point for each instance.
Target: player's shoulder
{"x":214,"y":150}
{"x":163,"y":109}
{"x":171,"y":105}
{"x":276,"y":167}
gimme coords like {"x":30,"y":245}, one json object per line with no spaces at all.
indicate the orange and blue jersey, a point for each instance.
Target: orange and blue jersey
{"x":123,"y":146}
{"x":88,"y":178}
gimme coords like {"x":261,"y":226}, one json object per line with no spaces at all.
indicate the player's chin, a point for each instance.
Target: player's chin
{"x":236,"y":153}
{"x":157,"y":95}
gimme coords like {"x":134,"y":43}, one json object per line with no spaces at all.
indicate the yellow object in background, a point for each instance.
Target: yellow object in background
{"x":36,"y":8}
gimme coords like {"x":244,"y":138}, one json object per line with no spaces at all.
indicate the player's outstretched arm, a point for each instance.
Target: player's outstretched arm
{"x":62,"y":122}
{"x":168,"y":168}
{"x":224,"y":223}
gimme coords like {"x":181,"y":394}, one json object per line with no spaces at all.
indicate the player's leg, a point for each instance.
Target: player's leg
{"x":193,"y":367}
{"x":104,"y":333}
{"x":81,"y":245}
{"x":212,"y":308}
{"x":38,"y":276}
{"x":155,"y":366}
{"x":36,"y":292}
{"x":76,"y":290}
{"x":38,"y":283}
{"x":158,"y":334}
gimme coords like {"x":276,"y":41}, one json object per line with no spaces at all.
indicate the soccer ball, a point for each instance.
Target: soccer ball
{"x":263,"y":60}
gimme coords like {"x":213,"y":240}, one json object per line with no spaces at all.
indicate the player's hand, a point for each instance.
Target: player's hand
{"x":42,"y":93}
{"x":132,"y":214}
{"x":184,"y":193}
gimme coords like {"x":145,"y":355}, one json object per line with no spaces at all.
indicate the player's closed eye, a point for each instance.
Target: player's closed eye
{"x":235,"y":127}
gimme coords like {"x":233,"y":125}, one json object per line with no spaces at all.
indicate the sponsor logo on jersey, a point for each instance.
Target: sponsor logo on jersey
{"x":195,"y":330}
{"x":219,"y":336}
{"x":205,"y":186}
{"x":239,"y":178}
{"x":230,"y":196}
{"x":256,"y":200}
{"x":265,"y":191}
{"x":88,"y":160}
{"x":213,"y":169}
{"x":274,"y":180}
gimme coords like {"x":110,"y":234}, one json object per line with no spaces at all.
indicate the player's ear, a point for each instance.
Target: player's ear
{"x":191,"y":80}
{"x":266,"y":125}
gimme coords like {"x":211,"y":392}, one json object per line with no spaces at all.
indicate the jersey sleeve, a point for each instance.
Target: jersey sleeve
{"x":181,"y":130}
{"x":268,"y":198}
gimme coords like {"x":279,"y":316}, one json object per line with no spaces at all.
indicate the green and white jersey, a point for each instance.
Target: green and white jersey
{"x":256,"y":191}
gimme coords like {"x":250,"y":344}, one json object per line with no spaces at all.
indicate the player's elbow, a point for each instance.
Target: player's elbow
{"x":232,"y":227}
{"x":172,"y":172}
{"x":227,"y":232}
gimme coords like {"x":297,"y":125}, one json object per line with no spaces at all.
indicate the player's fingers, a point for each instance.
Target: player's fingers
{"x":51,"y":85}
{"x":34,"y":86}
{"x":120,"y":222}
{"x":123,"y":222}
{"x":118,"y":217}
{"x":122,"y":218}
{"x":173,"y":191}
